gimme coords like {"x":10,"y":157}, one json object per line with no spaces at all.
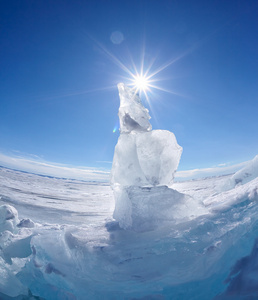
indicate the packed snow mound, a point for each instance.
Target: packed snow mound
{"x":8,"y":218}
{"x":132,"y":114}
{"x":14,"y":247}
{"x":248,"y":173}
{"x":142,"y":158}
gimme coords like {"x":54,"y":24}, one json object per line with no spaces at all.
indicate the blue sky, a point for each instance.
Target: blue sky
{"x":58,"y":96}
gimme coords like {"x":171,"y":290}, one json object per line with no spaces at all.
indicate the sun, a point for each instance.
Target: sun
{"x":141,"y":83}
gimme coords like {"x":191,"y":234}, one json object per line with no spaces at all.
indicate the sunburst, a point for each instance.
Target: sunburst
{"x":141,"y":83}
{"x":145,"y":79}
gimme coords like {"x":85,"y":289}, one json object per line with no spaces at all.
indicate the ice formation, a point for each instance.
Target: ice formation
{"x":64,"y":244}
{"x":143,"y":158}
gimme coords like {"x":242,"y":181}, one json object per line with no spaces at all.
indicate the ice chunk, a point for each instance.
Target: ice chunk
{"x":132,"y":114}
{"x":147,"y":158}
{"x":9,"y":284}
{"x":126,"y":169}
{"x":18,"y":247}
{"x":147,"y":208}
{"x":8,"y":218}
{"x":158,"y":155}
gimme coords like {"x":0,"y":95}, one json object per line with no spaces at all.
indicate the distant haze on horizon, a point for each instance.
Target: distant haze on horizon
{"x":101,"y":175}
{"x":61,"y":63}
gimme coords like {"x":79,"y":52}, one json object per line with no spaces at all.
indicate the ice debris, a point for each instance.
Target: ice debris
{"x":246,"y":174}
{"x":143,"y":158}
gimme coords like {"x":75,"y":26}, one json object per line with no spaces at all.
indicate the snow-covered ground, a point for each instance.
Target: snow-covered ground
{"x":64,"y":243}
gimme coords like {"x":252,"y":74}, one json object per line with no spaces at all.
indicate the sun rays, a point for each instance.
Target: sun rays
{"x":144,"y":79}
{"x":140,"y":82}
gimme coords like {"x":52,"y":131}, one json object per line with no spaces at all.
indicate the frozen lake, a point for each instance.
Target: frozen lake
{"x":71,"y":248}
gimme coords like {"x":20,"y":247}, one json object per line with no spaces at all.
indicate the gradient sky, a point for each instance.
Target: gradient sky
{"x":59,"y":71}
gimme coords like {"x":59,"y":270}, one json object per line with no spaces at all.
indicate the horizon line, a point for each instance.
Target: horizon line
{"x":53,"y":169}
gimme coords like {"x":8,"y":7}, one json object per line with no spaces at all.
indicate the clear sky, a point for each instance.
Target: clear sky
{"x":59,"y":70}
